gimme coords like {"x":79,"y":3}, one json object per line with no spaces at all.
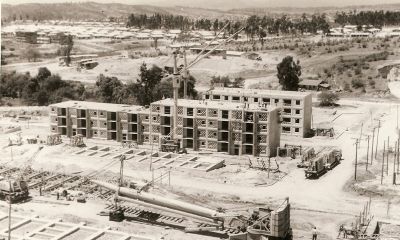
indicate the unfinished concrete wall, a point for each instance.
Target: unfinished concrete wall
{"x":307,"y":116}
{"x":296,"y":106}
{"x":274,"y":132}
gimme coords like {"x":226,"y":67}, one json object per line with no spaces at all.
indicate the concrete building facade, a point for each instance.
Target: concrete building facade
{"x":97,"y":120}
{"x":233,"y":128}
{"x":296,"y":107}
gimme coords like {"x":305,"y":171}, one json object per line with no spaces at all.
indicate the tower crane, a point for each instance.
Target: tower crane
{"x":183,"y":75}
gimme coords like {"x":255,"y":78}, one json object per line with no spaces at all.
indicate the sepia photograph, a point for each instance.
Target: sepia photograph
{"x":200,"y":120}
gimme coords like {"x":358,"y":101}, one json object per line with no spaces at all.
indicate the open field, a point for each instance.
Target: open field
{"x":336,"y":61}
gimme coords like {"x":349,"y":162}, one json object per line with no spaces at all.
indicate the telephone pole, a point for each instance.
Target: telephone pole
{"x":387,"y":158}
{"x":383,"y":162}
{"x":377,"y":138}
{"x":397,"y":113}
{"x":394,"y":163}
{"x":355,"y":165}
{"x":366,"y":165}
{"x":9,"y":212}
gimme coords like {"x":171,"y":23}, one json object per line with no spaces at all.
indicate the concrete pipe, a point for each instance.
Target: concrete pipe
{"x":163,"y":201}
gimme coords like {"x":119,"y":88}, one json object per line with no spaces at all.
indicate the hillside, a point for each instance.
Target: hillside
{"x":92,"y":10}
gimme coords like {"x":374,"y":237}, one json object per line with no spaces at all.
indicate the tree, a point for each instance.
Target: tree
{"x":328,"y":98}
{"x":191,"y":91}
{"x":145,"y":85}
{"x":109,"y":89}
{"x":220,"y":80}
{"x":32,"y":54}
{"x":43,"y":73}
{"x":289,"y":73}
{"x":67,"y":43}
{"x":42,"y":98}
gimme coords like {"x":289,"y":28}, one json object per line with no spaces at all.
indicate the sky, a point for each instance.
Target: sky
{"x":225,"y":4}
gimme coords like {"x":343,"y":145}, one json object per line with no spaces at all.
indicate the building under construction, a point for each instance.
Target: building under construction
{"x":233,"y":128}
{"x":97,"y":120}
{"x":296,"y":106}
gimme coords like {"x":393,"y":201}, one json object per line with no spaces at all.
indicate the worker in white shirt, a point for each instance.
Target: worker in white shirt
{"x":314,"y":233}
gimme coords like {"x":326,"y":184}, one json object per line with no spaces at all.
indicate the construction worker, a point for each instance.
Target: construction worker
{"x":342,"y":230}
{"x":314,"y":233}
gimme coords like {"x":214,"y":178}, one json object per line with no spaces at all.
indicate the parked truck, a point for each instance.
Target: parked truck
{"x":316,"y":168}
{"x":324,"y":161}
{"x":333,"y":157}
{"x":13,"y":190}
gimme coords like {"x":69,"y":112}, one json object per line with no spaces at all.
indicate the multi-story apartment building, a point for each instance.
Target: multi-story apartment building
{"x":234,"y":128}
{"x":97,"y":120}
{"x":296,"y":106}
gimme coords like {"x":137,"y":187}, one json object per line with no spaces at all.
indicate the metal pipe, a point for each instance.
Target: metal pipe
{"x":144,"y":204}
{"x":163,"y":201}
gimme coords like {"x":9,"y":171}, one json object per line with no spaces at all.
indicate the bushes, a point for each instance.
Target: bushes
{"x":371,"y":83}
{"x":32,"y":54}
{"x":41,"y":89}
{"x":327,"y":98}
{"x":357,"y":83}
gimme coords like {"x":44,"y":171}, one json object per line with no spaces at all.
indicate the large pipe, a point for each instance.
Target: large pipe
{"x":163,"y":201}
{"x":164,"y":209}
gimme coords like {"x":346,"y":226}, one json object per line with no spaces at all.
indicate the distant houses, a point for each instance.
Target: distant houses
{"x":313,"y":85}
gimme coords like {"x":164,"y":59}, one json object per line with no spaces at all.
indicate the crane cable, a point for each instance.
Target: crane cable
{"x":216,"y":36}
{"x":212,"y":50}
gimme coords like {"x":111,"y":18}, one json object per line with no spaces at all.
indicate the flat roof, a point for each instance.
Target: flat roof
{"x":256,"y":92}
{"x":111,"y":107}
{"x":214,"y":104}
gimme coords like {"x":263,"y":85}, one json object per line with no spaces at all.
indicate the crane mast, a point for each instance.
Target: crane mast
{"x":176,"y":84}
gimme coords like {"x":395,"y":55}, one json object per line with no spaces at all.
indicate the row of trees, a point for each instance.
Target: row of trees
{"x":149,"y":87}
{"x":375,"y":18}
{"x":46,"y":88}
{"x":42,"y":89}
{"x":261,"y":26}
{"x":256,"y":25}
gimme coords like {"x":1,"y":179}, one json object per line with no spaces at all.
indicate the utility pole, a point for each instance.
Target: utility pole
{"x":176,"y":84}
{"x":185,"y":76}
{"x":394,"y":163}
{"x":398,"y":155}
{"x":9,"y":212}
{"x":377,"y":138}
{"x":269,"y":165}
{"x":151,"y":154}
{"x":366,"y":165}
{"x":387,"y":158}
{"x":383,"y":162}
{"x":397,"y":111}
{"x":355,"y":165}
{"x":121,"y":170}
{"x":372,"y":145}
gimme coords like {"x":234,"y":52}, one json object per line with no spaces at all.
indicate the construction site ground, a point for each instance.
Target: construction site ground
{"x":327,"y":202}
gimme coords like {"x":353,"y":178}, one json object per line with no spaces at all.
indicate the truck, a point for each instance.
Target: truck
{"x":306,"y":156}
{"x":333,"y":157}
{"x":317,"y":167}
{"x":13,"y":190}
{"x":323,"y":162}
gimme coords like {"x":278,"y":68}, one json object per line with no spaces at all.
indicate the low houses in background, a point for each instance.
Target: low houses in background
{"x":314,"y":85}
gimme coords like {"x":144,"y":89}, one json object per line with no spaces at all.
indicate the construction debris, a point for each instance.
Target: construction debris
{"x":54,"y":139}
{"x":77,"y":141}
